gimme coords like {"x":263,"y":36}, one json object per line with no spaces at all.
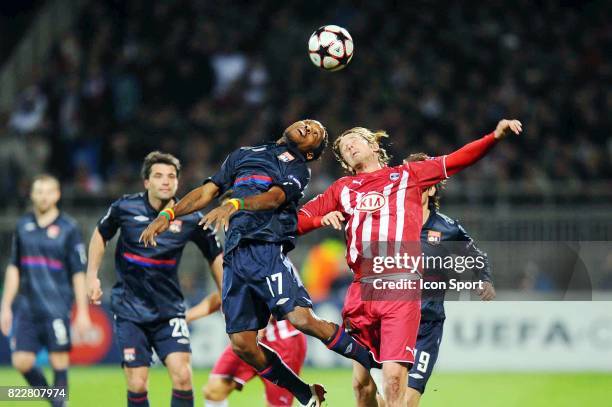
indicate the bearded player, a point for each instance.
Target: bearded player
{"x":258,"y":281}
{"x":383,"y":213}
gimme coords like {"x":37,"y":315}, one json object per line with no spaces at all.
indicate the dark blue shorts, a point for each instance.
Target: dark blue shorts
{"x":427,"y":347}
{"x":31,"y":334}
{"x":259,"y":281}
{"x":137,"y":341}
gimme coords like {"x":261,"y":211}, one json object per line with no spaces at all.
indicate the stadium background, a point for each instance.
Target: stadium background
{"x":87,"y":88}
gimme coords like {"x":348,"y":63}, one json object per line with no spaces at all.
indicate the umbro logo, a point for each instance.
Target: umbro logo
{"x":141,"y":218}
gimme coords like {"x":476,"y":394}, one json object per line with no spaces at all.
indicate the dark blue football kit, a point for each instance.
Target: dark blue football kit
{"x":147,"y":301}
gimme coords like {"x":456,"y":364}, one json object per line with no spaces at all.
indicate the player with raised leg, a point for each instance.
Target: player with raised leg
{"x":258,"y":281}
{"x":46,"y":267}
{"x":383,"y":213}
{"x":147,"y":300}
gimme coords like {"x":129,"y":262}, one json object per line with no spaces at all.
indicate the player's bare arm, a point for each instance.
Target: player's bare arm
{"x":266,"y":201}
{"x":82,"y":322}
{"x":11,"y":286}
{"x":209,"y":305}
{"x":195,"y":200}
{"x":97,"y":247}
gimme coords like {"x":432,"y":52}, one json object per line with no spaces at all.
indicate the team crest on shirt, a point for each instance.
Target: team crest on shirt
{"x":129,"y":354}
{"x":434,"y":237}
{"x":394,"y":176}
{"x":30,"y":226}
{"x":286,"y":157}
{"x":176,"y":226}
{"x":53,"y":231}
{"x":371,"y":202}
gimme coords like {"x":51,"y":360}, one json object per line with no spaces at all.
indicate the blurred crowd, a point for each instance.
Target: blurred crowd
{"x":199,"y":79}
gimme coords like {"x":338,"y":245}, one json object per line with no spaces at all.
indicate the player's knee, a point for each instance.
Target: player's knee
{"x":137,"y":383}
{"x":300,"y":319}
{"x":393,"y":386}
{"x":23,"y":363}
{"x":215,"y":390}
{"x":243,"y":348}
{"x":364,"y":391}
{"x":181,"y":378}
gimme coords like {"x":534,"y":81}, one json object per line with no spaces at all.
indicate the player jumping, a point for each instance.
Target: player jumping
{"x":46,"y":267}
{"x":147,"y":299}
{"x":383,"y":213}
{"x":267,"y":183}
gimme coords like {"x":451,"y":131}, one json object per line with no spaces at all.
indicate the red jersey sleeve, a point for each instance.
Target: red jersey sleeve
{"x":322,"y":204}
{"x":428,"y":172}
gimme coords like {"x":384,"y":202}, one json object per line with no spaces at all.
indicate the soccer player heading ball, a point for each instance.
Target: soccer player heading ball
{"x":258,"y":280}
{"x":389,"y":327}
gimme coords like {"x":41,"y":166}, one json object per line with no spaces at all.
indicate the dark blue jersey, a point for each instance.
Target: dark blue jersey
{"x":147,"y":287}
{"x":47,"y":259}
{"x":253,"y":170}
{"x":442,"y":236}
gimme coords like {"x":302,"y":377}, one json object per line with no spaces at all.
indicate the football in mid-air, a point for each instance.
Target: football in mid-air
{"x":330,"y":47}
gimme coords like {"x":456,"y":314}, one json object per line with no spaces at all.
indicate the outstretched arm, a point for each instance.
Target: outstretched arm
{"x":266,"y":201}
{"x":195,"y":200}
{"x":474,"y":151}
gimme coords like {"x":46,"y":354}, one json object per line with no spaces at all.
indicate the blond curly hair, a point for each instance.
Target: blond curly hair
{"x":372,"y":137}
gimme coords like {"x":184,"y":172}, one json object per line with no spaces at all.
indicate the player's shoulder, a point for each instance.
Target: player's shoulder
{"x":260,"y":148}
{"x":445,"y":220}
{"x":26,"y":220}
{"x":450,"y":224}
{"x":68,"y":220}
{"x":129,"y":199}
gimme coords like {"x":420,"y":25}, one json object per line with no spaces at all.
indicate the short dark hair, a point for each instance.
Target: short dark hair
{"x":435,"y":199}
{"x":157,"y":157}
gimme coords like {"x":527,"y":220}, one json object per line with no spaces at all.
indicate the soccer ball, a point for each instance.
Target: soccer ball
{"x":330,"y":47}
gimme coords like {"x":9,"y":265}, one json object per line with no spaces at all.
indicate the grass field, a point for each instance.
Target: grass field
{"x":104,"y":386}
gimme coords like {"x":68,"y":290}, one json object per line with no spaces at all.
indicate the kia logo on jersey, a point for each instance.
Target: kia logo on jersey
{"x":371,"y":202}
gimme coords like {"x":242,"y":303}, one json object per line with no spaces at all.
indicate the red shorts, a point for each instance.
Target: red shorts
{"x":291,"y":350}
{"x":387,"y":328}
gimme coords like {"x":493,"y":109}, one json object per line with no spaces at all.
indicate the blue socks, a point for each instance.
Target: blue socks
{"x":280,"y":374}
{"x":344,"y":344}
{"x":182,"y":398}
{"x":35,"y":377}
{"x":137,"y":399}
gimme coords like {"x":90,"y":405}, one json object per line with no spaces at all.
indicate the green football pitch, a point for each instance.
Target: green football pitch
{"x":104,"y":386}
